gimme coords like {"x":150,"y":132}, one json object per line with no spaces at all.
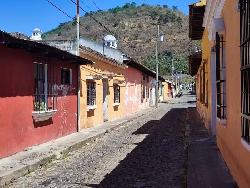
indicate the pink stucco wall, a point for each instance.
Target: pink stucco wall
{"x":133,"y":100}
{"x":133,"y":79}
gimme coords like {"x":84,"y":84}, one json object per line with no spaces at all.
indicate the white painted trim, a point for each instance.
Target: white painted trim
{"x":245,"y":144}
{"x":89,"y":77}
{"x":213,"y":10}
{"x":116,"y":104}
{"x":206,"y":15}
{"x":213,"y":92}
{"x":219,"y":8}
{"x":221,"y":121}
{"x":40,"y":116}
{"x":91,"y":107}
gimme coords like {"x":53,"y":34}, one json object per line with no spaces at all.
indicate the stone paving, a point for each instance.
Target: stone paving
{"x":149,"y":151}
{"x":146,"y":152}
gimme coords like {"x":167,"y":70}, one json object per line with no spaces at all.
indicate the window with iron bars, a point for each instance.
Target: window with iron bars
{"x":44,"y":98}
{"x":66,"y":76}
{"x":202,"y":84}
{"x":147,"y":87}
{"x":245,"y":67}
{"x":91,"y":93}
{"x":220,"y":77}
{"x":116,"y":93}
{"x":143,"y":88}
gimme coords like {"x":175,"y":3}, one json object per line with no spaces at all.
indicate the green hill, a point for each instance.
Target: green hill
{"x":135,"y":27}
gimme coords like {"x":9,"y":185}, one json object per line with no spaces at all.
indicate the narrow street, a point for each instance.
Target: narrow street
{"x":149,"y":151}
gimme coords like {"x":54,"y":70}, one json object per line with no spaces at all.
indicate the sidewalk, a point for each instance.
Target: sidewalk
{"x":206,"y":167}
{"x":35,"y":157}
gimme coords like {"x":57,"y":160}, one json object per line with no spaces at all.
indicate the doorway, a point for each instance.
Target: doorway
{"x":105,"y":100}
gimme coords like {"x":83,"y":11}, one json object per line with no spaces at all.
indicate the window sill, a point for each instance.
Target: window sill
{"x":116,"y":104}
{"x":245,"y":144}
{"x":91,"y":107}
{"x":39,"y":116}
{"x":222,"y":121}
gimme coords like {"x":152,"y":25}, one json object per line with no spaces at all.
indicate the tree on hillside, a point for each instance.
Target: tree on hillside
{"x":165,"y":63}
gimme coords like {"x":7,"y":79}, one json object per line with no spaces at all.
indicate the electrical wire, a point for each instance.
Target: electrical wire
{"x":96,"y":6}
{"x":88,"y":7}
{"x":65,"y":13}
{"x":108,"y":30}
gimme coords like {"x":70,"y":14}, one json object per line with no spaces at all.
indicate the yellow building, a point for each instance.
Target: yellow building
{"x":223,"y":79}
{"x":166,"y":91}
{"x":102,"y":90}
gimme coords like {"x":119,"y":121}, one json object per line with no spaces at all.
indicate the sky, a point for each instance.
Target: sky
{"x":25,"y":15}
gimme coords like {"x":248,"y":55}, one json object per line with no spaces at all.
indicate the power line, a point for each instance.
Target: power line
{"x":65,"y":13}
{"x":88,"y":7}
{"x":62,"y":11}
{"x":96,"y":5}
{"x":94,"y":19}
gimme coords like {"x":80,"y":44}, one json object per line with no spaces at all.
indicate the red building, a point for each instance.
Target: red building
{"x":38,"y":93}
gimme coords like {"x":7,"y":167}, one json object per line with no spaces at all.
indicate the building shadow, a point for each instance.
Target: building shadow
{"x":157,"y":161}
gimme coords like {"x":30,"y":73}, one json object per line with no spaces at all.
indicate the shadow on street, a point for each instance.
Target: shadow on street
{"x":159,"y":160}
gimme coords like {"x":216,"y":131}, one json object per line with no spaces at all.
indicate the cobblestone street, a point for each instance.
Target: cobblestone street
{"x":148,"y":151}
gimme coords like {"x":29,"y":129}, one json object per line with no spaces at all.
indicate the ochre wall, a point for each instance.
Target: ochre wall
{"x":205,"y":111}
{"x":236,"y":155}
{"x":166,"y":91}
{"x":101,"y":66}
{"x":17,"y":129}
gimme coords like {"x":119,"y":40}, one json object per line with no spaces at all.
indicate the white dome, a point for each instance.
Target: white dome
{"x":36,"y":30}
{"x":110,"y":38}
{"x":36,"y":34}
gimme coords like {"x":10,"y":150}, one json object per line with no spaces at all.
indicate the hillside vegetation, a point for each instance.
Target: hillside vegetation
{"x":135,"y":27}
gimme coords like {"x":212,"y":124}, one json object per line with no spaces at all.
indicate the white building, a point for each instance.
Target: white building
{"x":36,"y":34}
{"x":110,"y":41}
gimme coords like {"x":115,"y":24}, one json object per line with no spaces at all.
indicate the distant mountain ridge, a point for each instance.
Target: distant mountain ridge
{"x":135,"y":27}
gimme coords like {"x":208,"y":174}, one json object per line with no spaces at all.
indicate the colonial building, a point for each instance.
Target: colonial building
{"x":38,"y":96}
{"x":140,"y":87}
{"x":222,"y":78}
{"x":102,"y":89}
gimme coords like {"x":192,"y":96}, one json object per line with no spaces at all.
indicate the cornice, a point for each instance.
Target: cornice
{"x":213,"y":10}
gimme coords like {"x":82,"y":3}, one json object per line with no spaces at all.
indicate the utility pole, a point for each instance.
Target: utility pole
{"x":78,"y":54}
{"x":77,"y":28}
{"x":157,"y":68}
{"x":172,"y":69}
{"x":173,"y":75}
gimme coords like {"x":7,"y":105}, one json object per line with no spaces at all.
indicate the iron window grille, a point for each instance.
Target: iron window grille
{"x":245,"y":67}
{"x":144,"y":87}
{"x":220,"y":77}
{"x":116,"y":93}
{"x":91,"y":93}
{"x":147,"y":87}
{"x":205,"y":84}
{"x":66,"y":76}
{"x":202,"y":85}
{"x":45,"y":97}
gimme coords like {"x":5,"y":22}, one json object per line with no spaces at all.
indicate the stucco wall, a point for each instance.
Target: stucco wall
{"x":166,"y":91}
{"x":229,"y":135}
{"x":95,"y":117}
{"x":17,"y":129}
{"x":133,"y":90}
{"x":205,"y":110}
